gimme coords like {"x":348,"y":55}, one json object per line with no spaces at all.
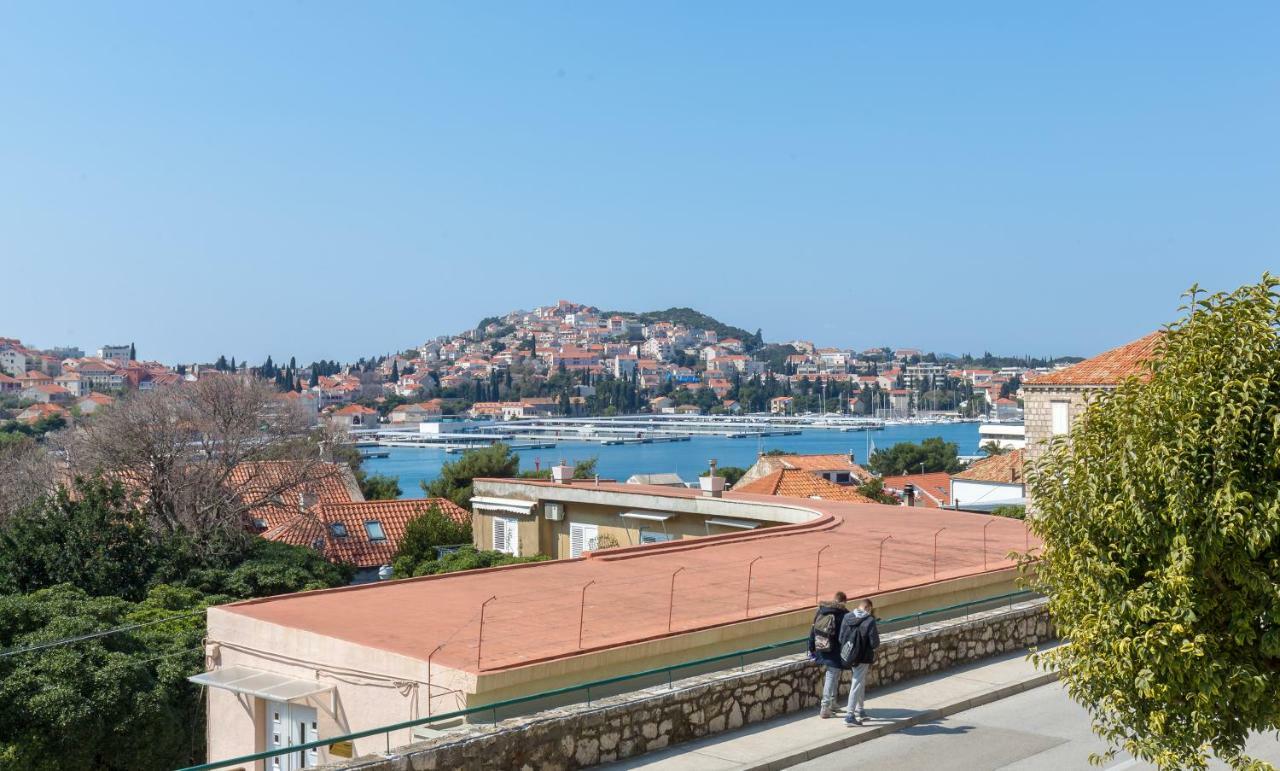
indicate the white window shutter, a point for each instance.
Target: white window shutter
{"x":499,"y":534}
{"x":583,"y":538}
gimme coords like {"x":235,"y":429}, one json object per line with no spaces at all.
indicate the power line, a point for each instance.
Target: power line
{"x":94,"y":635}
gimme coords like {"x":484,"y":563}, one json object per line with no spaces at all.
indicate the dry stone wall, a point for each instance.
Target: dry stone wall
{"x":631,"y":724}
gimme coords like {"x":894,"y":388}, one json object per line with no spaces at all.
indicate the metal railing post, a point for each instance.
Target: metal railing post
{"x":480,"y":637}
{"x":429,"y":691}
{"x":751,"y":566}
{"x":817,"y":574}
{"x":671,"y":598}
{"x":880,"y":562}
{"x":582,"y":611}
{"x":935,"y":553}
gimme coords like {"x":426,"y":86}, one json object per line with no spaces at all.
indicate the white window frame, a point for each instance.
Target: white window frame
{"x":506,"y":535}
{"x":1059,"y":418}
{"x":582,"y":538}
{"x":655,"y":536}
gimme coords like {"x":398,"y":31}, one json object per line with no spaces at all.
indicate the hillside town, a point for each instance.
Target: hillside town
{"x":556,"y":360}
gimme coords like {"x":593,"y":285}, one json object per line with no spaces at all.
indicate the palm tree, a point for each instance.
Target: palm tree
{"x":993,"y":447}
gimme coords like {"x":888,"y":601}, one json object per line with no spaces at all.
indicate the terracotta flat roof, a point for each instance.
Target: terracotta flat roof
{"x":535,"y":614}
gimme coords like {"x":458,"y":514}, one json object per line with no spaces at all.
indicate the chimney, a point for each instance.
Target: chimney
{"x":712,"y":485}
{"x":909,"y":491}
{"x":561,"y":473}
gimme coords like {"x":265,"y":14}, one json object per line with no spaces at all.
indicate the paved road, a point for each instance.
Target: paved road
{"x":1039,"y":729}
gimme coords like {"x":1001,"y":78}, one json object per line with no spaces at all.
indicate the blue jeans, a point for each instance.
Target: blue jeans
{"x":831,"y":686}
{"x":858,"y":691}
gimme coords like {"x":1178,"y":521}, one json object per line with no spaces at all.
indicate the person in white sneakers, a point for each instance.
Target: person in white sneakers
{"x":824,"y":648}
{"x":859,"y":639}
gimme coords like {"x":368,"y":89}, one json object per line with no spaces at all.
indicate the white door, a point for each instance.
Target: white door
{"x":289,"y":725}
{"x":582,"y":538}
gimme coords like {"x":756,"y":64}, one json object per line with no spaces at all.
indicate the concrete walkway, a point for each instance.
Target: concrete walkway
{"x":802,"y":736}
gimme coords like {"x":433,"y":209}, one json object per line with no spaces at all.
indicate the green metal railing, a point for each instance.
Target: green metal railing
{"x":604,"y":686}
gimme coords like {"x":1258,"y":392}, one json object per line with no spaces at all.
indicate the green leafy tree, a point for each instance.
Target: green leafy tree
{"x":379,"y":487}
{"x":1160,"y":516}
{"x":874,"y":489}
{"x":92,"y":537}
{"x":1011,"y":511}
{"x":731,"y":474}
{"x":119,"y":701}
{"x":421,"y":537}
{"x":470,"y":558}
{"x":454,"y":482}
{"x":933,"y":454}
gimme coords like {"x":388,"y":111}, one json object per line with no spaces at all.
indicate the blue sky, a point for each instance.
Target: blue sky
{"x":340,"y":179}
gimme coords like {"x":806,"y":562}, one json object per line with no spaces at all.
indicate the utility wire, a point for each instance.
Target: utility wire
{"x":94,"y":635}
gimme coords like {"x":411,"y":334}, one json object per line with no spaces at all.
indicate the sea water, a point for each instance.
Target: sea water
{"x":412,"y":465}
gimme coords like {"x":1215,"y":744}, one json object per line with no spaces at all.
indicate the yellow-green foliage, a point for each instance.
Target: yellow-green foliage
{"x":1161,"y":521}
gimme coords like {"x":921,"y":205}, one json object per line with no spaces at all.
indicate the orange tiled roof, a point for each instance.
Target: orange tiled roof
{"x":997,"y":468}
{"x":934,"y":487}
{"x":1110,"y":368}
{"x":315,"y":528}
{"x":258,"y":480}
{"x":824,"y":462}
{"x":794,"y":483}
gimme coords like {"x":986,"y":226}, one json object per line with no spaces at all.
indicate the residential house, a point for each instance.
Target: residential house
{"x":833,"y":467}
{"x":40,"y":411}
{"x":781,"y":405}
{"x":72,"y":382}
{"x":366,"y":534}
{"x":9,"y":385}
{"x":932,"y":490}
{"x":998,"y":480}
{"x":1053,"y":402}
{"x":798,"y":483}
{"x":92,"y":402}
{"x":47,"y":393}
{"x":13,"y":359}
{"x":354,"y":416}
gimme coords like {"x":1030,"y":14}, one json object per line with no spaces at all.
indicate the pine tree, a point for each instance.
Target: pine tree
{"x":133,"y":352}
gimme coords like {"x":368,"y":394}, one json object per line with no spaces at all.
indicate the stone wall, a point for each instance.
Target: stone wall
{"x":631,"y":724}
{"x":1037,"y":415}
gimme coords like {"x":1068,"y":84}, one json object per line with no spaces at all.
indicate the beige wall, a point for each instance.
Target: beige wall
{"x":541,"y":536}
{"x":371,"y":687}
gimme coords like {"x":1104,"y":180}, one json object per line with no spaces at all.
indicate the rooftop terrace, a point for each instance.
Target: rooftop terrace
{"x":556,"y":609}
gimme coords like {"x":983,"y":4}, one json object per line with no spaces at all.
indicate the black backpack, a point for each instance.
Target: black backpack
{"x":824,"y":632}
{"x":858,"y":647}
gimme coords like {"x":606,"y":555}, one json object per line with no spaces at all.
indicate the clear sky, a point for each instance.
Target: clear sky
{"x":341,"y":179}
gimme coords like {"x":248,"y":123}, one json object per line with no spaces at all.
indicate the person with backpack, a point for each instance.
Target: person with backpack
{"x":824,"y":648}
{"x":858,"y":639}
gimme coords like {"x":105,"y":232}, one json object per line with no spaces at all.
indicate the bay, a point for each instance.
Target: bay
{"x":412,"y":465}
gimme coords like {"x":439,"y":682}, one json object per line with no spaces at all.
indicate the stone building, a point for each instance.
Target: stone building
{"x":1053,"y":402}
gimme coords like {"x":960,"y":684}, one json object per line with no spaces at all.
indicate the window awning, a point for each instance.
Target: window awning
{"x":508,"y":505}
{"x":256,"y":682}
{"x":652,"y":516}
{"x":742,"y":524}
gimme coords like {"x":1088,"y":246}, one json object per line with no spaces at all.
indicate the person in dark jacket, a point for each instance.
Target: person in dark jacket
{"x":824,"y":648}
{"x":859,"y":639}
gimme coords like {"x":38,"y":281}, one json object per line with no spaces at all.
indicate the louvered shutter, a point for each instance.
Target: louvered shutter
{"x":582,"y":538}
{"x":499,"y":535}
